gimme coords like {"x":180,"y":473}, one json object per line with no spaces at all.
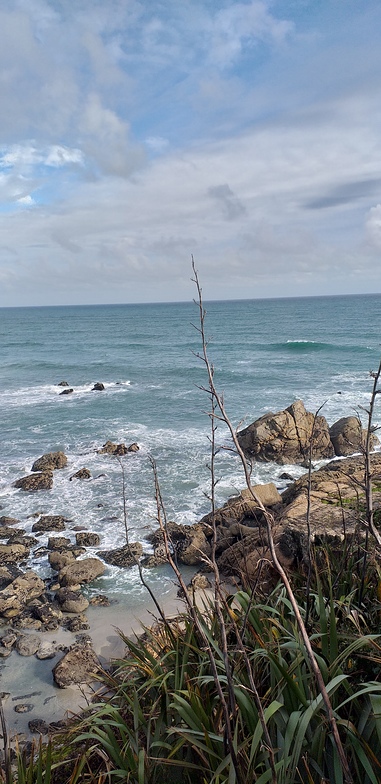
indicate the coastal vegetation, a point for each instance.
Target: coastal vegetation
{"x":277,"y":681}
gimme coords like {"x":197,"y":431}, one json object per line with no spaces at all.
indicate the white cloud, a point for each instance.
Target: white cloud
{"x":373,"y":226}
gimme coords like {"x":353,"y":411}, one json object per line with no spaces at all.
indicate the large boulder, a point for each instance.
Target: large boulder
{"x":49,"y":523}
{"x":37,"y":481}
{"x":81,"y":572}
{"x":189,"y":542}
{"x":71,"y":601}
{"x":20,"y":591}
{"x":348,"y":436}
{"x":287,"y":436}
{"x":13,"y":553}
{"x":243,"y":508}
{"x":123,"y":556}
{"x":50,"y":462}
{"x":78,"y":665}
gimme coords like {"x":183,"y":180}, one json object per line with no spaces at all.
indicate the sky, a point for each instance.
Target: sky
{"x":137,"y":133}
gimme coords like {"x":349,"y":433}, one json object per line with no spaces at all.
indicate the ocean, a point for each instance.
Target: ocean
{"x":266,"y":354}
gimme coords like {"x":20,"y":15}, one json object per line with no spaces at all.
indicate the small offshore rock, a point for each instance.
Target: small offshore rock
{"x":123,"y":556}
{"x":34,"y":482}
{"x":62,"y":384}
{"x":50,"y":523}
{"x":98,"y":387}
{"x":134,"y":447}
{"x":79,"y":665}
{"x":24,"y":708}
{"x":8,"y":520}
{"x":50,"y":462}
{"x":109,"y":448}
{"x":87,"y":539}
{"x":67,"y":391}
{"x":58,"y":542}
{"x":83,"y":473}
{"x":38,"y":726}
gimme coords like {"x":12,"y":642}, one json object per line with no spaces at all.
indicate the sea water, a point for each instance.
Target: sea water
{"x":265,"y":354}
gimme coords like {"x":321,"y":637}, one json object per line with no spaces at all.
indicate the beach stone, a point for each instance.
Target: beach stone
{"x":285,"y":437}
{"x":58,"y":559}
{"x":87,"y":539}
{"x":71,"y":601}
{"x":100,"y":601}
{"x":98,"y":387}
{"x":81,"y":572}
{"x":79,"y":665}
{"x":24,"y":708}
{"x":8,"y":640}
{"x":34,"y":482}
{"x":83,"y":473}
{"x":12,"y":553}
{"x":66,"y":391}
{"x":58,"y":542}
{"x":76,"y":624}
{"x":38,"y":726}
{"x":5,"y":652}
{"x":28,"y":644}
{"x":49,"y":614}
{"x":50,"y":523}
{"x":5,"y":521}
{"x":348,"y":436}
{"x":50,"y":462}
{"x":47,"y":650}
{"x":123,"y":556}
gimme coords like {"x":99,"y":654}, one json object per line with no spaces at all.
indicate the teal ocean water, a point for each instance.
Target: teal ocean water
{"x":266,"y":353}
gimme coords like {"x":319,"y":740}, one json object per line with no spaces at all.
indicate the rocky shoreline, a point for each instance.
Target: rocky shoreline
{"x":32,"y":608}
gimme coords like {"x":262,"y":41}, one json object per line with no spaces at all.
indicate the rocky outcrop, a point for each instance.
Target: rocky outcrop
{"x":83,"y":473}
{"x":71,"y":601}
{"x":123,"y":556}
{"x":33,"y":482}
{"x":109,"y":448}
{"x":78,"y":665}
{"x":12,"y":553}
{"x":7,"y":521}
{"x":348,"y":436}
{"x":87,"y":539}
{"x":244,"y":509}
{"x":81,"y":572}
{"x":50,"y":462}
{"x":21,"y":590}
{"x":189,"y":542}
{"x":66,"y":391}
{"x":287,"y":436}
{"x":50,"y":523}
{"x":98,"y":387}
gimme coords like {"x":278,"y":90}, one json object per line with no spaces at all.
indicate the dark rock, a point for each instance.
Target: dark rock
{"x":50,"y":462}
{"x":58,"y":542}
{"x":34,"y":482}
{"x":188,"y":542}
{"x":123,"y":556}
{"x":27,"y":541}
{"x":83,"y":473}
{"x":8,"y":520}
{"x":98,"y":387}
{"x":6,"y":533}
{"x":62,"y":384}
{"x":100,"y":601}
{"x":49,"y":614}
{"x":50,"y":523}
{"x":25,"y":708}
{"x":76,"y":624}
{"x":113,"y":449}
{"x":8,"y":640}
{"x":286,"y":437}
{"x":133,"y":447}
{"x":38,"y":726}
{"x":66,"y":391}
{"x":87,"y":539}
{"x":71,"y":601}
{"x":287,"y":476}
{"x":79,"y":665}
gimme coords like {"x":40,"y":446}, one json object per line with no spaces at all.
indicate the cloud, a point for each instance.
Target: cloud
{"x":346,"y":193}
{"x":373,"y":226}
{"x":232,"y":208}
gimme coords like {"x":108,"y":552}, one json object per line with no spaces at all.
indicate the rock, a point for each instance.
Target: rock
{"x":50,"y":523}
{"x":50,"y":462}
{"x":123,"y":556}
{"x":5,"y":521}
{"x":34,"y":482}
{"x":81,"y":572}
{"x":8,"y":640}
{"x":58,"y":542}
{"x":188,"y":541}
{"x":79,"y":665}
{"x":6,"y":533}
{"x":109,"y":448}
{"x":348,"y":436}
{"x":62,"y":384}
{"x":243,"y":508}
{"x":98,"y":387}
{"x":47,"y":650}
{"x":71,"y":601}
{"x":21,"y":590}
{"x":49,"y":614}
{"x":76,"y":624}
{"x":58,"y":559}
{"x":28,"y":644}
{"x":38,"y":725}
{"x":100,"y":601}
{"x":285,"y":437}
{"x":66,"y":391}
{"x":12,"y":553}
{"x":24,"y":708}
{"x":87,"y":539}
{"x":133,"y":447}
{"x":27,"y":541}
{"x":83,"y":473}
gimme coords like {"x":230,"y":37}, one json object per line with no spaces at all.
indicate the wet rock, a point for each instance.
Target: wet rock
{"x":28,"y":644}
{"x":133,"y":447}
{"x":285,"y":437}
{"x":76,"y":624}
{"x":79,"y":665}
{"x":67,"y":391}
{"x":100,"y":601}
{"x":50,"y":462}
{"x":8,"y":574}
{"x":49,"y":614}
{"x":24,"y":708}
{"x":188,"y":542}
{"x":13,"y":553}
{"x":34,"y":482}
{"x":4,"y":521}
{"x":81,"y":572}
{"x":71,"y":601}
{"x":123,"y":556}
{"x":38,"y":726}
{"x":58,"y":559}
{"x":109,"y":448}
{"x":83,"y":473}
{"x":5,"y":652}
{"x":47,"y":650}
{"x":244,"y":508}
{"x":58,"y":542}
{"x":62,"y":384}
{"x":98,"y":387}
{"x":26,"y":541}
{"x":8,"y":640}
{"x":50,"y":523}
{"x":87,"y":539}
{"x":6,"y":533}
